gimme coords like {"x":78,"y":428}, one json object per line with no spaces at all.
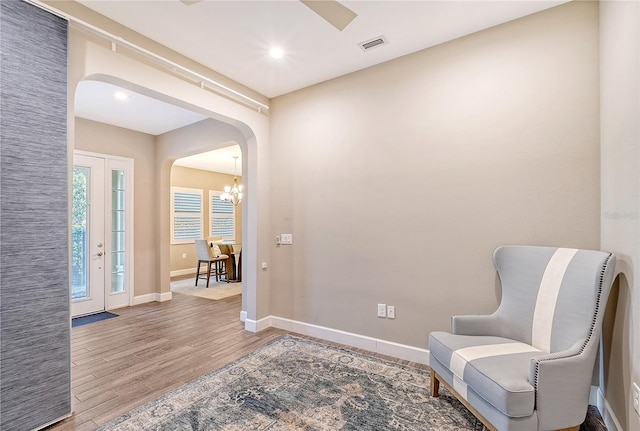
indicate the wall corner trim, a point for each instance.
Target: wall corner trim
{"x":152,"y":297}
{"x":383,"y":347}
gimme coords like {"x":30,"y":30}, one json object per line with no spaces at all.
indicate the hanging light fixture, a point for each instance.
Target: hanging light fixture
{"x":233,"y":193}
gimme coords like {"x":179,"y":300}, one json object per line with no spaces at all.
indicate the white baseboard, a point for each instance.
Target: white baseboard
{"x":243,"y":316}
{"x":166,"y":296}
{"x":389,"y":348}
{"x":151,"y":297}
{"x":256,"y":325}
{"x":188,"y":271}
{"x":595,"y":398}
{"x":609,"y":417}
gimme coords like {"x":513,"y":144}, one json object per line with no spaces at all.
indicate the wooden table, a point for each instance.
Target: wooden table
{"x":234,"y":272}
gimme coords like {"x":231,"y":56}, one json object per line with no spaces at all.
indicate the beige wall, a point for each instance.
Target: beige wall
{"x":206,"y":181}
{"x":620,"y":142}
{"x":102,"y":138}
{"x":399,"y":181}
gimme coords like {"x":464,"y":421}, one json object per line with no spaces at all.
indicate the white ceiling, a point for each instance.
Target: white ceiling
{"x":220,"y":160}
{"x":96,"y":101}
{"x":234,"y":37}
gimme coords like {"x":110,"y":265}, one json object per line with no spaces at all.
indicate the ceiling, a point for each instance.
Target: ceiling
{"x":221,"y":160}
{"x":97,"y":101}
{"x":234,"y":38}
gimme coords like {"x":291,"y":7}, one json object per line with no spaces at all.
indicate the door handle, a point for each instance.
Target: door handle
{"x":100,"y":254}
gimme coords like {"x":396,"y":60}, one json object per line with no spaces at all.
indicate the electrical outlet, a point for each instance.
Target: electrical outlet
{"x":286,"y":238}
{"x":391,"y":311}
{"x":382,"y":310}
{"x":635,"y":396}
{"x":184,"y":255}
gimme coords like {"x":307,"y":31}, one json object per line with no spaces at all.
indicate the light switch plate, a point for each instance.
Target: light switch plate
{"x":286,"y":238}
{"x":382,"y":310}
{"x":391,"y":311}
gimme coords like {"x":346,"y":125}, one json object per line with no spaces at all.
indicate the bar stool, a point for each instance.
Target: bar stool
{"x":215,"y":264}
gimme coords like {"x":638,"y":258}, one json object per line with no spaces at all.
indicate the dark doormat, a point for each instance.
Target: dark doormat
{"x":79,"y":321}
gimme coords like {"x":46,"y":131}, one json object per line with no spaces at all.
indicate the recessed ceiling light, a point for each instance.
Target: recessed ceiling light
{"x":121,"y":96}
{"x":276,"y":52}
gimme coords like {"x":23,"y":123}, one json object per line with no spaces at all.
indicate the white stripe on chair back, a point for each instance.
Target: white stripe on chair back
{"x":548,"y":297}
{"x":551,"y":296}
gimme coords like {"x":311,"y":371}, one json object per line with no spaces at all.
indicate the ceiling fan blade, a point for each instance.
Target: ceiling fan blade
{"x":333,"y":12}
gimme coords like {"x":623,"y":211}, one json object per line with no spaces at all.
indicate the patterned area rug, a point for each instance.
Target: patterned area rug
{"x":216,"y":290}
{"x":297,"y":384}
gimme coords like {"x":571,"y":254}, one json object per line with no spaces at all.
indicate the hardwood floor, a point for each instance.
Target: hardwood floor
{"x":120,"y":363}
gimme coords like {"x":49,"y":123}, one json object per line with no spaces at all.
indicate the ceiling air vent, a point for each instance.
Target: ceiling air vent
{"x":369,"y":44}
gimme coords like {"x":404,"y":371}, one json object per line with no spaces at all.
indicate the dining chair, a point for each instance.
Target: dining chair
{"x":216,"y":265}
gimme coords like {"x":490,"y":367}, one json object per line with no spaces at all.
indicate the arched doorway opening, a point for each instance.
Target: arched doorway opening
{"x":200,"y":210}
{"x":214,"y":132}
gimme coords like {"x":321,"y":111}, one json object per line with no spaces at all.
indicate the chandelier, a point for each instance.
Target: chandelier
{"x":233,"y":193}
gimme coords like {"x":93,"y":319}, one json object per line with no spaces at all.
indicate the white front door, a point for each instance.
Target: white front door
{"x":88,"y":236}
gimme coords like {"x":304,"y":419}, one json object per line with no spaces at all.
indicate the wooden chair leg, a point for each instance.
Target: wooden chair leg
{"x":224,"y":269}
{"x":208,"y":272}
{"x":198,"y":273}
{"x":435,"y":385}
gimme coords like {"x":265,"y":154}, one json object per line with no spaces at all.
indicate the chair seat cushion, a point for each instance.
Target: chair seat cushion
{"x":496,"y":368}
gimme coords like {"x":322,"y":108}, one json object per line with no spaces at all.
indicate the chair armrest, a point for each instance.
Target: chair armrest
{"x":562,"y":382}
{"x":475,"y":325}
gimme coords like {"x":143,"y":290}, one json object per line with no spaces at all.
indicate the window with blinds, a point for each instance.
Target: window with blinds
{"x":222,"y":217}
{"x":186,"y":215}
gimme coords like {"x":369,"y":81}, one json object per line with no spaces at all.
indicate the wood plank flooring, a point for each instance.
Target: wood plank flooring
{"x":150,"y":349}
{"x":121,"y":363}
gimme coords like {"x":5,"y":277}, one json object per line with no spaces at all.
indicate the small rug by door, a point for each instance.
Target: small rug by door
{"x":297,"y":384}
{"x":216,"y":291}
{"x":79,"y":321}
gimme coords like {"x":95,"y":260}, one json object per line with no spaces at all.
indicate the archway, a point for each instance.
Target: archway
{"x":215,"y":132}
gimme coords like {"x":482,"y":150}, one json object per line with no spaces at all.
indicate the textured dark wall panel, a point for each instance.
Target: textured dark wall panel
{"x":34,"y":280}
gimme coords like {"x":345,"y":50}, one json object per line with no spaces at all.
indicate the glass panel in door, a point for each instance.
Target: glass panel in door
{"x":118,"y":244}
{"x":79,"y":234}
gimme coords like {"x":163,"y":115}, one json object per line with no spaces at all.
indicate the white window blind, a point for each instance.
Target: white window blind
{"x":186,"y":214}
{"x":223,"y":217}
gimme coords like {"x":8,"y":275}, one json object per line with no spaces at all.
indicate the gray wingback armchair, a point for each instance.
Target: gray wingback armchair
{"x":529,"y":365}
